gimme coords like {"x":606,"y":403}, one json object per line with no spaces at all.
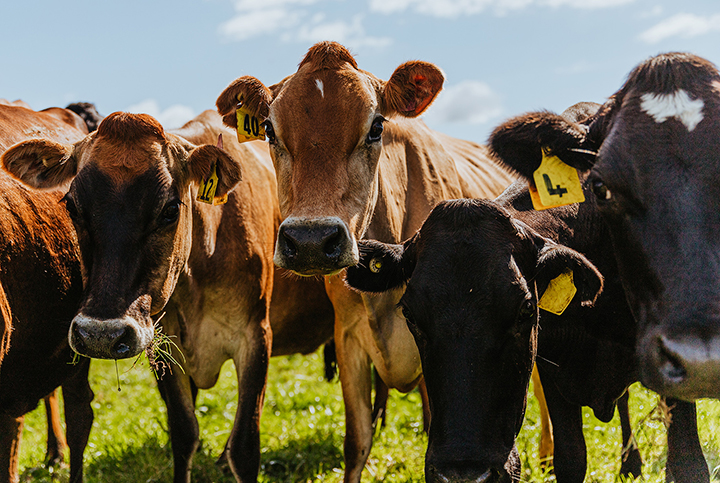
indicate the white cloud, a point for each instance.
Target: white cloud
{"x":172,"y":117}
{"x":456,"y":8}
{"x":470,"y":102}
{"x":351,"y":34}
{"x":293,"y":20}
{"x":681,"y":25}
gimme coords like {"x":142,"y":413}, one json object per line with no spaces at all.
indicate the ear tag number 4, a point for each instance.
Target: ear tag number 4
{"x":207,"y":189}
{"x":248,"y":126}
{"x":555,"y":184}
{"x":559,"y":293}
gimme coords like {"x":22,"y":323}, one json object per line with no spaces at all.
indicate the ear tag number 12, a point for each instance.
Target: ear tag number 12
{"x":555,"y":184}
{"x":249,"y":127}
{"x":207,"y":189}
{"x":559,"y":293}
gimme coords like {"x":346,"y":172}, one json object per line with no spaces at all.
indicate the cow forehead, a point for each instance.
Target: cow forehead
{"x":336,"y":104}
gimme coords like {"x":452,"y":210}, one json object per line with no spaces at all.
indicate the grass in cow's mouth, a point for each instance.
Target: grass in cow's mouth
{"x":160,"y":352}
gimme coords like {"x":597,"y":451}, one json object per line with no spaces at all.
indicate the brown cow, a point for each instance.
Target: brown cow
{"x":38,"y":261}
{"x":353,"y":161}
{"x":152,"y":251}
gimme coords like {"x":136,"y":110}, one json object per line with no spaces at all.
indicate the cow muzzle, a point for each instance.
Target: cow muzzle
{"x":110,"y":339}
{"x":684,"y":366}
{"x":315,"y":246}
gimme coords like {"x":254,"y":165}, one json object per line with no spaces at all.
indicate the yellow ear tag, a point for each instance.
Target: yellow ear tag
{"x":559,"y":293}
{"x":207,"y":189}
{"x":555,"y":184}
{"x":375,"y":265}
{"x":249,"y":127}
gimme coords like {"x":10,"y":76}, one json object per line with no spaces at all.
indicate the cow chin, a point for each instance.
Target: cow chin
{"x":315,"y":246}
{"x":110,"y":339}
{"x":681,"y":365}
{"x":470,"y":472}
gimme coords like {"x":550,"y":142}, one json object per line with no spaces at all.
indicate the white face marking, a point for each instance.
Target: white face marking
{"x":678,"y":105}
{"x":320,"y":87}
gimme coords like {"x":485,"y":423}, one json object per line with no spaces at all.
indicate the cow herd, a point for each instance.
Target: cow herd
{"x":585,"y":244}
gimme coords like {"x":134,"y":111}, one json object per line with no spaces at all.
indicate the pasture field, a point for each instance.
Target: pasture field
{"x":302,"y":429}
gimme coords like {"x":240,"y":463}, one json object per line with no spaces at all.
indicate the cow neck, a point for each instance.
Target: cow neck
{"x":415,"y":172}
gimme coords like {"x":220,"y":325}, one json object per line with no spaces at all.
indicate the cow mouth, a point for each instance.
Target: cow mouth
{"x":682,"y":366}
{"x":109,"y":339}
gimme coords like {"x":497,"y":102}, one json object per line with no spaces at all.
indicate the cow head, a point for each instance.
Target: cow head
{"x":652,"y":152}
{"x":472,"y":275}
{"x":325,"y":128}
{"x":130,"y":201}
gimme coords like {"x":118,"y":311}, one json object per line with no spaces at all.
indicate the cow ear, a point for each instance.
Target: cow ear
{"x":248,"y":92}
{"x":519,"y":142}
{"x":41,"y":163}
{"x":412,"y":88}
{"x":204,"y":158}
{"x":555,"y":260}
{"x":382,"y":266}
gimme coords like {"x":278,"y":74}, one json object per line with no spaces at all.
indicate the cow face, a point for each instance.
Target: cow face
{"x":655,"y":180}
{"x":325,"y":127}
{"x":472,"y":275}
{"x":130,"y":201}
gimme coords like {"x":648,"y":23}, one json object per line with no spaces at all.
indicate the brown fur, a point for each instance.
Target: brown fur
{"x":327,"y":55}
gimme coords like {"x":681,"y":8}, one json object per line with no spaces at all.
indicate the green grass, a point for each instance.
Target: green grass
{"x":302,"y":432}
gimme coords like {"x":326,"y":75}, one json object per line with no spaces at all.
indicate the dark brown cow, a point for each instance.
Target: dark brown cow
{"x":152,"y":251}
{"x":352,"y":161}
{"x":38,"y":262}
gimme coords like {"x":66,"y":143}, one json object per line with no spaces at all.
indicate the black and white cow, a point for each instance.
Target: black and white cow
{"x":654,"y":151}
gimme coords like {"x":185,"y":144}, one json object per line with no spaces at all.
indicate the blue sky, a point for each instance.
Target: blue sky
{"x":171,"y":58}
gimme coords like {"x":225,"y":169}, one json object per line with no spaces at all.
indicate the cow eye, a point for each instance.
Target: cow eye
{"x":171,"y":212}
{"x":71,"y":207}
{"x":601,"y":191}
{"x":527,"y":309}
{"x":269,"y":132}
{"x":376,"y":130}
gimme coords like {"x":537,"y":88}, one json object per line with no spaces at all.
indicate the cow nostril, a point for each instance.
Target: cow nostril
{"x":121,"y":348}
{"x":670,"y":365}
{"x":79,"y":337}
{"x":289,"y":248}
{"x":332,"y":245}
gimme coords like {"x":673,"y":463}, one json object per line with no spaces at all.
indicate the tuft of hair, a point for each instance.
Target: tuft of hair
{"x":255,"y":96}
{"x":668,"y":72}
{"x":327,"y":55}
{"x":127,"y":127}
{"x":88,"y":112}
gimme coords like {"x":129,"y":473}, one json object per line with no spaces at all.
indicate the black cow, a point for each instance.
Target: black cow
{"x":654,"y":150}
{"x":466,"y":271}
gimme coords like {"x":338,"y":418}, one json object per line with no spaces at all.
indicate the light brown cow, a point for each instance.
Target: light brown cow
{"x":353,"y":161}
{"x":152,"y":251}
{"x":40,"y":289}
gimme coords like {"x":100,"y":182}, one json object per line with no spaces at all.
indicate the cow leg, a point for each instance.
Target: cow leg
{"x":56,"y":443}
{"x":545,"y":453}
{"x":685,"y":460}
{"x":631,"y":459}
{"x":243,"y":447}
{"x":382,"y":392}
{"x":77,"y":396}
{"x":570,"y":458}
{"x":422,"y":387}
{"x":10,"y":436}
{"x":176,"y":390}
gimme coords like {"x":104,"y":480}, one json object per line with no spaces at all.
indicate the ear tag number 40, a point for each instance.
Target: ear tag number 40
{"x":555,"y":184}
{"x":559,"y":293}
{"x":248,"y":126}
{"x":207,"y":189}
